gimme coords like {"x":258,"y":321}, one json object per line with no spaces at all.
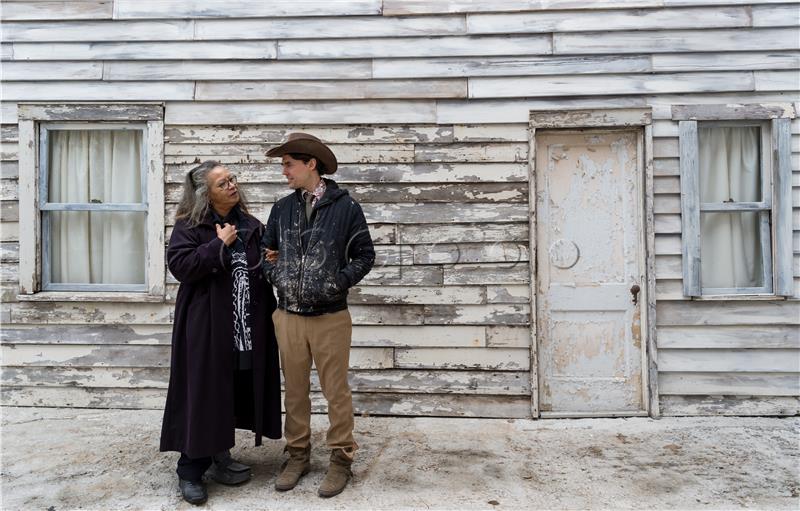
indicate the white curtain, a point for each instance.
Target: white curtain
{"x":98,"y":247}
{"x":730,"y":246}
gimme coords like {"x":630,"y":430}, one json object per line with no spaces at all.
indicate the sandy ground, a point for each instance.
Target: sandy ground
{"x":56,"y":459}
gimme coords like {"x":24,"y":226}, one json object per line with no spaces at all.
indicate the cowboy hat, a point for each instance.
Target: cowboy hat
{"x":304,"y":143}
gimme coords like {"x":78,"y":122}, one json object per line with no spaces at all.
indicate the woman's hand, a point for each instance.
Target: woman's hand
{"x":271,"y":255}
{"x":227,"y":234}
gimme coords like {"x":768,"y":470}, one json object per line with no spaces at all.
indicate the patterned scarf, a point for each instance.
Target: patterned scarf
{"x":242,"y":341}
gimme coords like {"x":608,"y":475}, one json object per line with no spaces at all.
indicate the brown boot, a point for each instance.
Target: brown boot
{"x":338,"y":473}
{"x":298,"y":465}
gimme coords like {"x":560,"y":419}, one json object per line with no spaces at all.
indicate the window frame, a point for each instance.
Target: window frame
{"x":35,"y":120}
{"x":776,"y":174}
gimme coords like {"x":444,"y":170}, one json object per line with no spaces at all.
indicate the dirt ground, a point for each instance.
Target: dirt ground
{"x":57,"y":459}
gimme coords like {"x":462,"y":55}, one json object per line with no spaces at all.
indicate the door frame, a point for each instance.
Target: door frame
{"x":611,"y":118}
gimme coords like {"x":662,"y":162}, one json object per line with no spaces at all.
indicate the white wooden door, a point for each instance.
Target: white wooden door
{"x":589,"y":259}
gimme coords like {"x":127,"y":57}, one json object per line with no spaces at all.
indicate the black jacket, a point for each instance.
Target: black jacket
{"x":318,"y":260}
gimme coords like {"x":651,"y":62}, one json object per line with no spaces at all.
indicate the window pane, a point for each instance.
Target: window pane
{"x":97,"y":247}
{"x":98,"y":166}
{"x":730,"y":164}
{"x":730,"y":250}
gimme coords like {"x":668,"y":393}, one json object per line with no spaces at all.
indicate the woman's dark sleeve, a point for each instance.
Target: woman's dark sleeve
{"x":270,"y":240}
{"x":188,"y":259}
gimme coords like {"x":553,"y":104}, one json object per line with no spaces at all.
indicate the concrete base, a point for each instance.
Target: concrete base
{"x":109,"y":459}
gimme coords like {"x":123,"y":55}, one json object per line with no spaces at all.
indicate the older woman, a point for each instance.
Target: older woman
{"x":224,"y":370}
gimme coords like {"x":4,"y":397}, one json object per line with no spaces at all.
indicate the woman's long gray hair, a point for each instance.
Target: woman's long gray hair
{"x":194,"y":203}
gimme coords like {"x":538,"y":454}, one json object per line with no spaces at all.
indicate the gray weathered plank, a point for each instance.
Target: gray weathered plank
{"x":303,"y":112}
{"x":92,"y":112}
{"x":416,"y":295}
{"x":472,"y":152}
{"x":98,"y":91}
{"x":775,"y":15}
{"x":52,"y":71}
{"x":731,"y":111}
{"x":508,"y":294}
{"x":101,"y":334}
{"x":236,"y":70}
{"x":729,"y":405}
{"x":590,"y":118}
{"x":380,"y":134}
{"x":338,"y":27}
{"x":9,"y":252}
{"x":670,"y":41}
{"x":608,"y":20}
{"x":508,"y":273}
{"x":725,"y":61}
{"x":428,"y":336}
{"x":495,"y":359}
{"x":168,"y":50}
{"x":440,"y":67}
{"x":374,"y":172}
{"x":509,"y":336}
{"x":729,"y":337}
{"x":45,"y":31}
{"x":56,"y":10}
{"x":404,"y":276}
{"x":436,"y":213}
{"x":489,"y":314}
{"x":339,"y":89}
{"x":777,"y":80}
{"x":690,"y":212}
{"x":729,"y":384}
{"x":729,"y":360}
{"x":127,"y":9}
{"x":446,"y":253}
{"x":389,"y":192}
{"x":406,"y":7}
{"x":461,"y":233}
{"x":448,"y":46}
{"x":518,"y":110}
{"x":588,"y":85}
{"x":728,"y":313}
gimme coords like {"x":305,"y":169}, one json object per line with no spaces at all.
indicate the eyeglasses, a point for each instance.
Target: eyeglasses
{"x":224,"y":184}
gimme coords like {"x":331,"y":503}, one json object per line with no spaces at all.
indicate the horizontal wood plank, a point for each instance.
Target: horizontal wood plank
{"x":328,"y":89}
{"x":235,"y":70}
{"x":462,"y":233}
{"x":725,"y":61}
{"x":588,"y":85}
{"x":440,"y":67}
{"x":98,"y":91}
{"x":52,"y":71}
{"x":414,"y":47}
{"x":373,"y":134}
{"x":728,"y":313}
{"x":463,"y":358}
{"x":729,"y":384}
{"x":135,"y":9}
{"x":168,"y":50}
{"x":608,"y":20}
{"x":670,"y":41}
{"x":60,"y":10}
{"x":302,"y":112}
{"x":54,"y":31}
{"x":729,"y":337}
{"x":729,"y":405}
{"x":729,"y":360}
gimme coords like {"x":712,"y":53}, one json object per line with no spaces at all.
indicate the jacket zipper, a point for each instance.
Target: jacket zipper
{"x":303,"y":256}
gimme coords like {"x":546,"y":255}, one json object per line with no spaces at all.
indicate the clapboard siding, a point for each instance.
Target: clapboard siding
{"x":426,"y":105}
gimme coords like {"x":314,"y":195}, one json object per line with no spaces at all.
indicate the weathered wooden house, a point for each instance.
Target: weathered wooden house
{"x":580,"y":208}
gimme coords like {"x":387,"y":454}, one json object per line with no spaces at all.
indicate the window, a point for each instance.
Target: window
{"x":91,"y":216}
{"x":735,"y":201}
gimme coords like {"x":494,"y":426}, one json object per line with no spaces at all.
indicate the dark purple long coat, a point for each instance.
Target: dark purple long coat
{"x":199,"y":417}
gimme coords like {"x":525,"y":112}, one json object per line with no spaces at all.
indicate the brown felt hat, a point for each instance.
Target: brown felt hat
{"x":307,"y":144}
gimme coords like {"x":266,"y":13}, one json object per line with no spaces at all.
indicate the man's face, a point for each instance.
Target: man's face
{"x":300,"y":174}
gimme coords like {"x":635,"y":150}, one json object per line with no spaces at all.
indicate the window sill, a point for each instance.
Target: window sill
{"x":749,"y":298}
{"x":89,"y":296}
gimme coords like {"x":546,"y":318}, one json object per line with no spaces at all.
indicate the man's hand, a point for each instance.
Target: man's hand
{"x":227,"y":234}
{"x":271,"y":256}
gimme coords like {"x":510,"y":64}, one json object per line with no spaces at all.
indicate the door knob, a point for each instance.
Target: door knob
{"x":635,"y":293}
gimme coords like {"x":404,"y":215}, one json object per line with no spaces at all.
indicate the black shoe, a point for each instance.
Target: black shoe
{"x":194,"y":492}
{"x":230,"y":472}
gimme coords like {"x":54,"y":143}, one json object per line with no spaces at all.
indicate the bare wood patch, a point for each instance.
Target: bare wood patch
{"x":486,"y":274}
{"x":498,"y":359}
{"x":498,"y":336}
{"x":490,"y":314}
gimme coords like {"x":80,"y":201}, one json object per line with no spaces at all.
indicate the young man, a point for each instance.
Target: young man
{"x":323,"y":248}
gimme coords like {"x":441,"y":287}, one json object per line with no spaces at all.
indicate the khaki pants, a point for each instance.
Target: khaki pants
{"x":326,"y":340}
